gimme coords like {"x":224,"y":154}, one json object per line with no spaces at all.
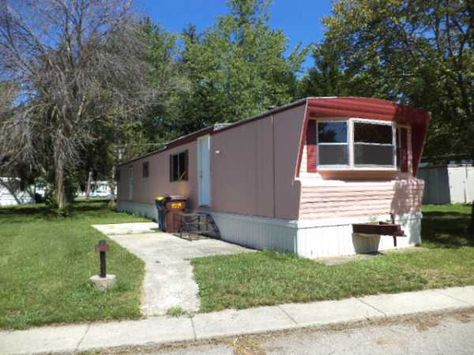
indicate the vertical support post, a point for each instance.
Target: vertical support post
{"x":102,"y":248}
{"x":392,"y":218}
{"x":103,"y":265}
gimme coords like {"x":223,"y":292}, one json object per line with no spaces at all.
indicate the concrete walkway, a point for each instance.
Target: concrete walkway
{"x":169,"y":278}
{"x":162,"y":330}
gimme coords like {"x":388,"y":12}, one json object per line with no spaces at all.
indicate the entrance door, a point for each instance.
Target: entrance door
{"x":204,"y":170}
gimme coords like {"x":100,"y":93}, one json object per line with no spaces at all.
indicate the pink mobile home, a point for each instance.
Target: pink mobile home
{"x":295,"y":178}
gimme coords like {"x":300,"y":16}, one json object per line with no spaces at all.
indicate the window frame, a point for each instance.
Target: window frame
{"x":172,"y":166}
{"x":335,"y":166}
{"x":350,"y":143}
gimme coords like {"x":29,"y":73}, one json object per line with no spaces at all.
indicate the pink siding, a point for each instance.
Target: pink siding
{"x":354,"y":199}
{"x":255,"y":166}
{"x":288,"y":128}
{"x":242,"y":171}
{"x":249,"y":176}
{"x":158,"y":182}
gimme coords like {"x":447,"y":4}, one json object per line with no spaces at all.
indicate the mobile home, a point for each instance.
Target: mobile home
{"x":296,"y":178}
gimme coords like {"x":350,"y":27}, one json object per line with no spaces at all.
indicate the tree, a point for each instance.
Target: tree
{"x":238,"y":68}
{"x":121,"y":140}
{"x":326,"y":77}
{"x":80,"y":68}
{"x":415,"y":52}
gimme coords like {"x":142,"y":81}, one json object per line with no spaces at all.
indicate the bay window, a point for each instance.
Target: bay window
{"x":373,"y":144}
{"x":357,"y":143}
{"x":333,"y":143}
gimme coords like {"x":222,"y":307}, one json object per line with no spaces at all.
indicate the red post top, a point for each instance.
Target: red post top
{"x":102,"y":247}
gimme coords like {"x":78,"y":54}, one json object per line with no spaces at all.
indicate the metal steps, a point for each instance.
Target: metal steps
{"x":196,"y":224}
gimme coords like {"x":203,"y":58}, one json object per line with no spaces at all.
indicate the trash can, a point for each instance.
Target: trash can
{"x":174,"y":205}
{"x":160,"y":202}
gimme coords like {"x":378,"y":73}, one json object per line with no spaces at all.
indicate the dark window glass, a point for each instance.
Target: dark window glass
{"x":183,"y":166}
{"x":175,"y":167}
{"x":365,"y":154}
{"x":333,"y":154}
{"x":372,"y":133}
{"x":145,"y":169}
{"x":332,"y":132}
{"x":179,"y":166}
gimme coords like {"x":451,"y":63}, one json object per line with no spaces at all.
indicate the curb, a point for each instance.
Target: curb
{"x":203,"y":326}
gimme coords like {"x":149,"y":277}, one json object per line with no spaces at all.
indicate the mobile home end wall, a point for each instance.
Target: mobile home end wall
{"x":253,"y":167}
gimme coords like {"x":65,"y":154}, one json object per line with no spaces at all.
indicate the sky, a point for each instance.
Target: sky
{"x":299,"y":19}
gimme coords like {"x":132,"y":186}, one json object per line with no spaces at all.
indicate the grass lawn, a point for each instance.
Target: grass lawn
{"x":267,"y":278}
{"x":46,"y":262}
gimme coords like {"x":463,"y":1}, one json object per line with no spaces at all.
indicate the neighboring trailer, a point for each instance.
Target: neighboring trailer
{"x":295,"y":178}
{"x":11,"y":195}
{"x":448,"y":183}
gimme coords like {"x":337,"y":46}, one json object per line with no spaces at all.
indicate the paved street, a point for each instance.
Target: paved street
{"x":203,"y":327}
{"x":452,"y":333}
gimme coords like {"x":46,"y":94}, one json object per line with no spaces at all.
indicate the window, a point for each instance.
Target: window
{"x":333,"y":143}
{"x":179,"y":166}
{"x":117,"y":175}
{"x":145,"y":169}
{"x":373,"y":144}
{"x":358,"y":143}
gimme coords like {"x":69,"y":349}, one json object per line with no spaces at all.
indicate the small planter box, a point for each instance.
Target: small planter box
{"x":378,"y":229}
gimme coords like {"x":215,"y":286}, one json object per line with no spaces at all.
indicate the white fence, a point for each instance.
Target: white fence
{"x":448,"y":184}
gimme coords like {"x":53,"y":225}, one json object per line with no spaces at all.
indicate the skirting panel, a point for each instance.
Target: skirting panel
{"x":139,"y":209}
{"x":257,"y":232}
{"x":307,"y":238}
{"x":337,"y":238}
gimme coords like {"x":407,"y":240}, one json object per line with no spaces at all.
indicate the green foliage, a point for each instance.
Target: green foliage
{"x":415,"y":52}
{"x":326,"y":78}
{"x":46,"y":263}
{"x":176,"y":311}
{"x":238,"y":68}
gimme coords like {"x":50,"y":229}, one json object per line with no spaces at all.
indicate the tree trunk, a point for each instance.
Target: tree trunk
{"x":59,"y":192}
{"x":88,"y":186}
{"x":112,"y":185}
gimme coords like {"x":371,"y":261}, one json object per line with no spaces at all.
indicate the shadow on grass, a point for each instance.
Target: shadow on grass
{"x":48,"y":212}
{"x":446,"y":229}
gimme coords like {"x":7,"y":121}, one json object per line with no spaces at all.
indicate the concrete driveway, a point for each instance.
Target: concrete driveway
{"x":169,"y":280}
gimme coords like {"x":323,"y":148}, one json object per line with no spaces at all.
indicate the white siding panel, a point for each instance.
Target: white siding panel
{"x":337,"y":239}
{"x":21,"y":198}
{"x":457,"y":184}
{"x":257,"y":232}
{"x":139,"y":209}
{"x":448,"y":184}
{"x":308,"y":238}
{"x":470,"y":184}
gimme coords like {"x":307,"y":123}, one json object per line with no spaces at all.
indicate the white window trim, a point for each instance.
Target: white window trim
{"x":350,"y":143}
{"x":338,"y":166}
